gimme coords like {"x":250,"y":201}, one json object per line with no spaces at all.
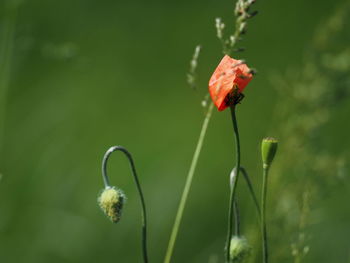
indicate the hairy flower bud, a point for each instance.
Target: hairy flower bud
{"x":268,"y":150}
{"x":239,"y":249}
{"x":111,"y":201}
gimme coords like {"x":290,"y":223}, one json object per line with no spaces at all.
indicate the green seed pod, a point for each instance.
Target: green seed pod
{"x":111,"y":201}
{"x":240,"y":250}
{"x":268,"y":150}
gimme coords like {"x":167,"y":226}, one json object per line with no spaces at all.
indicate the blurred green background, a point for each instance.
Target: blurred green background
{"x":77,"y":77}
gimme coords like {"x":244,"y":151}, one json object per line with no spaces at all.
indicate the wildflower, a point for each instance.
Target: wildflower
{"x":228,"y":82}
{"x":111,"y":202}
{"x":239,"y":249}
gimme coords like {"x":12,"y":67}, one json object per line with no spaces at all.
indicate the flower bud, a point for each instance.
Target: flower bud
{"x":239,"y":249}
{"x":268,"y":150}
{"x":111,"y":201}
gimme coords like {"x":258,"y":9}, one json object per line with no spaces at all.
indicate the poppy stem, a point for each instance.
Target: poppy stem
{"x":137,"y":182}
{"x":187,"y":187}
{"x":234,"y":186}
{"x":251,"y":189}
{"x":263,"y":209}
{"x":235,"y":204}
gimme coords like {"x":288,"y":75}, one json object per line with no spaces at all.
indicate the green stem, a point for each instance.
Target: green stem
{"x":235,"y":207}
{"x":252,"y":192}
{"x":187,"y":187}
{"x":138,"y":185}
{"x":263,"y":219}
{"x":233,"y":188}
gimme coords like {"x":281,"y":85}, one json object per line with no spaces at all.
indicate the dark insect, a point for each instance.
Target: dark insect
{"x":233,"y":98}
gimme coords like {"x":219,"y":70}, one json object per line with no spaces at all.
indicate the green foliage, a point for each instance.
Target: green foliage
{"x":310,"y":98}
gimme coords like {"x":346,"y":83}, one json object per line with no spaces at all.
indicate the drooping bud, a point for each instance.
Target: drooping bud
{"x":268,"y":150}
{"x":111,"y":201}
{"x":240,"y":250}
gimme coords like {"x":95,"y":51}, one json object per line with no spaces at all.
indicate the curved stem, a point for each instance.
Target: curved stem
{"x":143,"y":205}
{"x":263,"y":207}
{"x":233,"y":188}
{"x":251,"y":189}
{"x":188,"y":183}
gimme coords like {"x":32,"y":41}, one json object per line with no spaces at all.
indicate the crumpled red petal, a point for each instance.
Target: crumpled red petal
{"x":229,"y":74}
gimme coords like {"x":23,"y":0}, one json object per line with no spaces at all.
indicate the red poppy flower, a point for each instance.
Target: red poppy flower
{"x":228,"y":82}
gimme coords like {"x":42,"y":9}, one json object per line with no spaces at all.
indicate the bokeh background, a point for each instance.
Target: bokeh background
{"x":78,"y":76}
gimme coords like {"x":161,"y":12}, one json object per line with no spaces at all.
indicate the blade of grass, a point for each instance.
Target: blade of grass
{"x":188,"y":183}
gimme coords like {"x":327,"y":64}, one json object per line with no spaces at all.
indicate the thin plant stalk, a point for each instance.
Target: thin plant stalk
{"x":234,"y":186}
{"x":263,"y":216}
{"x":187,"y":187}
{"x":236,"y":213}
{"x":251,"y":190}
{"x":235,"y":207}
{"x":138,"y":185}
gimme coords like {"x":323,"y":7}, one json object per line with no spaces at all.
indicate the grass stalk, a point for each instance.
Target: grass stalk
{"x":188,"y":184}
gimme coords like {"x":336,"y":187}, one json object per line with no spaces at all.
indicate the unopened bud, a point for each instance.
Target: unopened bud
{"x":240,"y":250}
{"x":111,"y":201}
{"x":268,"y":150}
